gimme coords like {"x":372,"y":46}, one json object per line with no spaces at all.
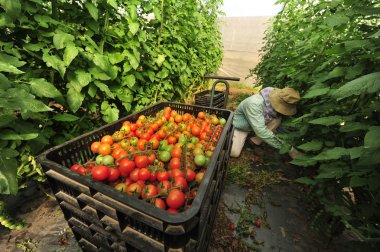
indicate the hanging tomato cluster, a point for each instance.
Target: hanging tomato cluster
{"x":160,"y":159}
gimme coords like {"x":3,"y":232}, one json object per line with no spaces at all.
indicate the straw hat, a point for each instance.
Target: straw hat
{"x":284,"y":100}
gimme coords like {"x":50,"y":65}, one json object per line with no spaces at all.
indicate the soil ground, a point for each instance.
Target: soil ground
{"x":259,"y":186}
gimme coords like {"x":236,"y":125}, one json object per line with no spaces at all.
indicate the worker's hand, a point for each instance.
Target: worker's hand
{"x":294,"y":153}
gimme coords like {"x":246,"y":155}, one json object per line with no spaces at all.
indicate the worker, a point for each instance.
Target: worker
{"x":261,"y":114}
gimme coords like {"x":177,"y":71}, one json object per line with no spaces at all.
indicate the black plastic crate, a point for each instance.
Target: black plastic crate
{"x":104,"y":219}
{"x":204,"y":98}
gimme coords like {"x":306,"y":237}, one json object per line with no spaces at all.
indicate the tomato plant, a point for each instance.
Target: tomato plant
{"x":328,"y":50}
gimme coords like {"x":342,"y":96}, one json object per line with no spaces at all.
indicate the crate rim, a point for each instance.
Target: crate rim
{"x":138,"y":204}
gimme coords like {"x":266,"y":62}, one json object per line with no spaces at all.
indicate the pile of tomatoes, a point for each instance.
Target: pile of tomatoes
{"x":160,"y":159}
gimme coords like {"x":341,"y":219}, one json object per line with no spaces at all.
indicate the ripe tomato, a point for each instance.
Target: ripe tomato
{"x":161,"y":133}
{"x":114,"y":174}
{"x":128,"y":181}
{"x":145,"y":136}
{"x":126,"y":166}
{"x":118,"y":153}
{"x":95,"y":147}
{"x":104,"y":149}
{"x":149,"y":191}
{"x":151,"y":158}
{"x":117,"y":136}
{"x":195,"y":130}
{"x":160,"y":203}
{"x":201,"y":115}
{"x":180,"y":182}
{"x":162,"y":175}
{"x":134,"y":189}
{"x":100,"y":172}
{"x":141,"y":144}
{"x":153,"y":143}
{"x":175,"y":163}
{"x":199,"y":177}
{"x":75,"y":167}
{"x":107,"y":139}
{"x":175,"y":198}
{"x":172,"y":210}
{"x":176,"y":152}
{"x":172,"y":140}
{"x":177,"y":173}
{"x":204,"y":136}
{"x":163,"y":187}
{"x":190,"y":175}
{"x":126,"y":129}
{"x":153,"y":176}
{"x":178,"y":118}
{"x":144,"y":174}
{"x":186,"y":117}
{"x":134,"y":175}
{"x":141,"y":161}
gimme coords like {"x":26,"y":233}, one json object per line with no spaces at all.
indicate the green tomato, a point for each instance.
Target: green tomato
{"x":169,"y":148}
{"x":182,"y":139}
{"x":200,"y":160}
{"x":194,"y":140}
{"x":133,"y":141}
{"x":108,"y":160}
{"x":222,"y":121}
{"x":99,"y":159}
{"x":163,"y":144}
{"x":164,"y":156}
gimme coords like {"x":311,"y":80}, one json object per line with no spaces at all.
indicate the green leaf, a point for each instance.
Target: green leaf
{"x":6,"y":119}
{"x":62,"y":39}
{"x":65,"y":118}
{"x":332,"y":154}
{"x":151,"y":75}
{"x":163,"y":73}
{"x":306,"y":181}
{"x":313,"y":145}
{"x":4,"y":82}
{"x":43,"y":88}
{"x":70,"y":53}
{"x":369,"y":83}
{"x":11,"y":7}
{"x":316,"y":92}
{"x":332,"y":170}
{"x":133,"y":28}
{"x":8,"y":134}
{"x":132,"y":11}
{"x":157,"y":14}
{"x":19,"y":100}
{"x":353,"y":126}
{"x":11,"y":60}
{"x":8,"y":176}
{"x":356,"y":152}
{"x":6,"y":67}
{"x":358,"y":181}
{"x":79,"y":80}
{"x":372,"y":138}
{"x":110,"y":112}
{"x":74,"y":99}
{"x":44,"y":21}
{"x":132,"y":60}
{"x":129,"y":80}
{"x":9,"y":153}
{"x":375,"y":35}
{"x":160,"y":59}
{"x":6,"y":20}
{"x":336,"y":20}
{"x":303,"y":161}
{"x":327,"y":121}
{"x":115,"y":58}
{"x":336,"y":72}
{"x":103,"y":63}
{"x":104,"y":88}
{"x":34,"y":47}
{"x":92,"y":10}
{"x":55,"y":62}
{"x":113,"y":3}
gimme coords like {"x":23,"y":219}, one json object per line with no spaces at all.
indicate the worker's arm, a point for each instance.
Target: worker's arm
{"x":255,"y":117}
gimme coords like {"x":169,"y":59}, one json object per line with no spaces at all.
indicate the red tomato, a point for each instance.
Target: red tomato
{"x":134,"y":189}
{"x":181,"y":182}
{"x":75,"y":167}
{"x":126,"y":166}
{"x":118,"y":153}
{"x":95,"y":147}
{"x":128,"y":181}
{"x":172,"y":140}
{"x":141,"y":161}
{"x":195,"y":130}
{"x":114,"y":174}
{"x":161,"y":133}
{"x":82,"y":170}
{"x":199,"y":177}
{"x":141,"y":144}
{"x":100,"y":172}
{"x":162,"y":175}
{"x":104,"y":149}
{"x":107,"y":139}
{"x":160,"y":203}
{"x":145,"y":136}
{"x":163,"y":187}
{"x":201,"y":115}
{"x":153,"y":176}
{"x":134,"y":175}
{"x":149,"y":191}
{"x":177,"y":173}
{"x":151,"y":158}
{"x":153,"y":143}
{"x":172,"y":210}
{"x":175,"y":199}
{"x":176,"y":152}
{"x":144,"y":174}
{"x":175,"y":163}
{"x":190,"y":175}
